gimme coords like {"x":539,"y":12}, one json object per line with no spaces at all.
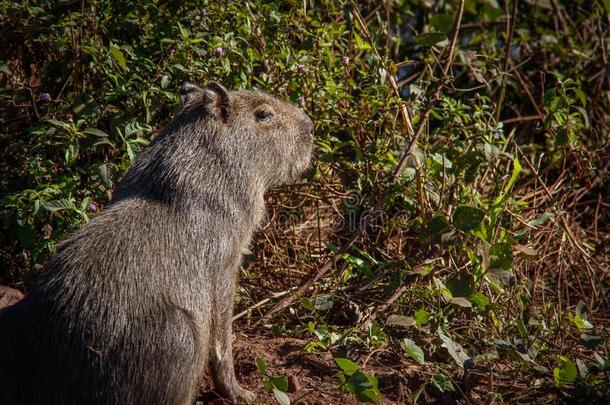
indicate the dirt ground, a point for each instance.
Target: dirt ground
{"x":312,"y":377}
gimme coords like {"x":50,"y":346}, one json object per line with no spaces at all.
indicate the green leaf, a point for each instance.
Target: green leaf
{"x":513,"y":176}
{"x":281,"y":397}
{"x":584,"y":114}
{"x":565,"y":372}
{"x":103,"y":171}
{"x":60,"y":124}
{"x":129,"y":150}
{"x":346,"y":365}
{"x":422,"y":317}
{"x":466,"y":218}
{"x":261,"y":365}
{"x":58,"y":205}
{"x":412,"y":350}
{"x":116,"y":53}
{"x":364,"y":387}
{"x":96,"y":132}
{"x":501,"y":256}
{"x":502,"y":344}
{"x":583,"y":370}
{"x":590,"y":341}
{"x":503,"y":278}
{"x":526,"y":250}
{"x":581,"y":323}
{"x":581,"y":309}
{"x":442,"y":383}
{"x":542,"y":219}
{"x":491,"y":10}
{"x":456,"y":351}
{"x":5,"y":69}
{"x":603,"y":363}
{"x":312,"y":346}
{"x":359,"y":264}
{"x":522,"y":328}
{"x":461,"y":302}
{"x":85,"y":105}
{"x":324,"y":302}
{"x":164,"y":81}
{"x":442,"y":22}
{"x":184,"y":33}
{"x":491,"y":152}
{"x":280,"y":383}
{"x":479,"y":300}
{"x":400,"y":320}
{"x":104,"y":141}
{"x":309,"y":305}
{"x":582,"y":97}
{"x":429,"y":38}
{"x":361,"y":43}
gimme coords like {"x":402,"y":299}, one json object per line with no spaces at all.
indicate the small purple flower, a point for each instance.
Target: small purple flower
{"x":301,"y":68}
{"x":45,"y":97}
{"x":203,"y":12}
{"x":301,"y":101}
{"x":515,"y":52}
{"x":345,"y":59}
{"x":219,"y":52}
{"x":93,"y":206}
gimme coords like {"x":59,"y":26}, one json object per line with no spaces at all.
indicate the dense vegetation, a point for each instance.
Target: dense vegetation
{"x":452,"y":239}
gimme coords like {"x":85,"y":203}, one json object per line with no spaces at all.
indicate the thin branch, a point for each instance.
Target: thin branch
{"x":261,"y":303}
{"x":509,"y":43}
{"x":521,"y":81}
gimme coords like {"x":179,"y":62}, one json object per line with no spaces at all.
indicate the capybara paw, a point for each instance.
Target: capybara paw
{"x":245,"y":395}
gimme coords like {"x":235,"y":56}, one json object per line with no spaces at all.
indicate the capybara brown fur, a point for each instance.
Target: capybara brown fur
{"x":136,"y":306}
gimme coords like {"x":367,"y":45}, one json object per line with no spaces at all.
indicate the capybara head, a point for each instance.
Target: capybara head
{"x":251,"y":136}
{"x":276,"y":135}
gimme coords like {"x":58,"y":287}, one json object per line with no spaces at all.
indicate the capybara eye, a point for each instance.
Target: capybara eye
{"x":263,"y":115}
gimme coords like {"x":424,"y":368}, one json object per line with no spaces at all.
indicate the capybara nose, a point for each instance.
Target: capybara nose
{"x":307,"y":125}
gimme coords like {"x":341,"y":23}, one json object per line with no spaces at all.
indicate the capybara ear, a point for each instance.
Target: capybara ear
{"x":219,"y":100}
{"x":188,"y":91}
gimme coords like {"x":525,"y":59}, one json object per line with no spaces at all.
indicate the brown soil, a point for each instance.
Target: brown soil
{"x":312,"y":376}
